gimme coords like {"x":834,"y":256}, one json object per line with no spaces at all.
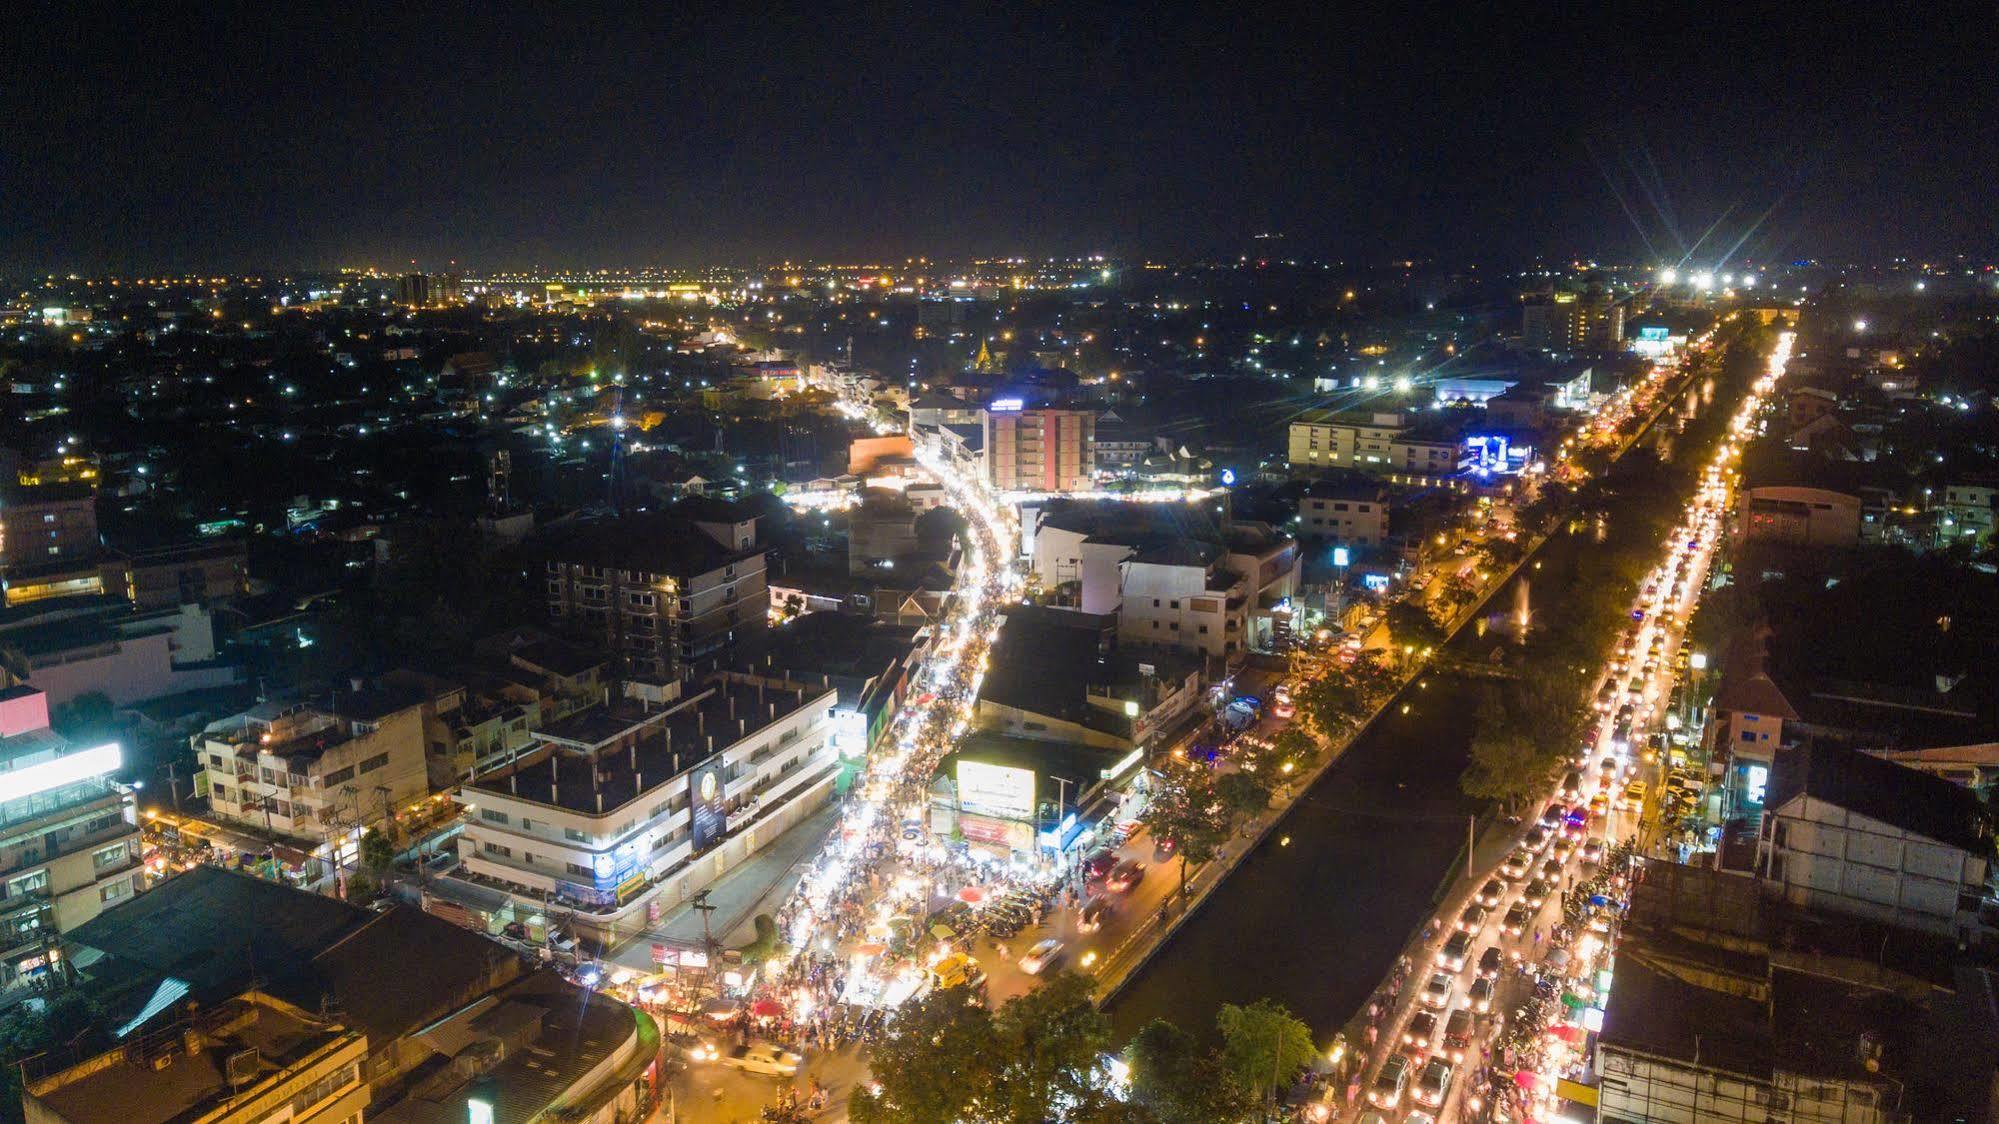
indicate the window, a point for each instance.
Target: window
{"x":114,"y":891}
{"x":493,"y":848}
{"x":1174,"y":605}
{"x":581,"y":871}
{"x":491,"y":816}
{"x":108,"y":856}
{"x":324,"y":1088}
{"x":338,"y":777}
{"x":575,"y":836}
{"x":27,"y":883}
{"x":374,"y":763}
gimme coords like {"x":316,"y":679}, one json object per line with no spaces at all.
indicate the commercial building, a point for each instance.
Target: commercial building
{"x":1800,"y":516}
{"x":316,"y":771}
{"x":1401,"y":449}
{"x":439,"y":1025}
{"x":69,"y":843}
{"x":632,"y":805}
{"x":663,"y":591}
{"x":1567,"y":321}
{"x":1039,"y":449}
{"x":1847,"y":832}
{"x":1062,"y":676}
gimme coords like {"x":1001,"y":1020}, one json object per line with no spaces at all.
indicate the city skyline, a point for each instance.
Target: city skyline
{"x":368,"y":136}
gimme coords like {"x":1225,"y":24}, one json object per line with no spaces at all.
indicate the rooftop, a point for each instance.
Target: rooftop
{"x":651,"y":542}
{"x":1901,"y":797}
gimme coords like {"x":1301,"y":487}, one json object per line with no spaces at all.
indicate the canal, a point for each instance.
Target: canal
{"x":1317,"y":914}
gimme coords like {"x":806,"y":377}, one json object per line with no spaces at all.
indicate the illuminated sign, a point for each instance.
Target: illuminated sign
{"x":1123,"y":763}
{"x":1005,"y":405}
{"x":1341,"y":557}
{"x":60,"y":772}
{"x":1759,"y":783}
{"x":1376,"y":582}
{"x":1228,"y":477}
{"x":996,"y":790}
{"x":708,"y":817}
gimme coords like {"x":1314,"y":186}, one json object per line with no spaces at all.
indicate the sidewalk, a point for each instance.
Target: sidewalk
{"x":757,"y":885}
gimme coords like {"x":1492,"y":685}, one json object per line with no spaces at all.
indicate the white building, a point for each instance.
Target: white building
{"x":628,"y":807}
{"x":316,"y":771}
{"x":1850,"y":833}
{"x":69,"y":843}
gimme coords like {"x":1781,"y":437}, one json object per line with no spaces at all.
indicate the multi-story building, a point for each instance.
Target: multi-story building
{"x":202,"y":573}
{"x":1389,"y":445}
{"x":1848,"y":832}
{"x":664,"y":591}
{"x":1968,"y":507}
{"x":1353,"y":514}
{"x":1566,"y":321}
{"x":276,"y":1061}
{"x":316,"y":770}
{"x":627,"y":805}
{"x":1040,"y":449}
{"x":69,"y":843}
{"x":48,"y":525}
{"x":1800,"y":516}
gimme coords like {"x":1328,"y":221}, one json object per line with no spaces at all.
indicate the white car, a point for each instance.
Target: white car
{"x":1041,"y":956}
{"x":759,"y":1057}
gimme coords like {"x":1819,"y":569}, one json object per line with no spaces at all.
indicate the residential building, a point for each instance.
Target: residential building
{"x":316,"y":770}
{"x":1039,"y":449}
{"x":1350,"y":514}
{"x":1390,"y":445}
{"x":1968,"y":507}
{"x":661,"y":590}
{"x":199,"y":573}
{"x":1567,"y":321}
{"x":1848,"y":832}
{"x":485,"y":1025}
{"x":69,"y":842}
{"x":48,"y":525}
{"x":100,"y":644}
{"x":627,"y":806}
{"x":251,"y":1058}
{"x":1800,"y":516}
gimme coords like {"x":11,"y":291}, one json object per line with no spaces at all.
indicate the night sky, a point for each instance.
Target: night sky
{"x":287,"y":136}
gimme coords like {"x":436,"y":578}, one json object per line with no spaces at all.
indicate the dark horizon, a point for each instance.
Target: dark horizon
{"x":367,"y":135}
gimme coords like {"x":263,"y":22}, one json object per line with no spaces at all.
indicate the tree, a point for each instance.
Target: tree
{"x":1264,"y":1045}
{"x":1185,"y":810}
{"x":937,"y":1061}
{"x":376,"y":851}
{"x":1506,"y":765}
{"x":67,"y":1020}
{"x":1243,"y":793}
{"x":1178,"y":1082}
{"x":86,"y":715}
{"x":1411,"y":624}
{"x":1050,"y":1040}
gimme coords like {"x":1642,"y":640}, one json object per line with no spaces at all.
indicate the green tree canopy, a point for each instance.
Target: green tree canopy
{"x":1180,"y":1083}
{"x":1264,"y":1045}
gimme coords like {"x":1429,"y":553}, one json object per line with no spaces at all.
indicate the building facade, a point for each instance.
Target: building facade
{"x":69,"y":842}
{"x":1044,"y":449}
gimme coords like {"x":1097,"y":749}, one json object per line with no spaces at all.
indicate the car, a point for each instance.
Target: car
{"x":1490,"y":893}
{"x":958,"y":970}
{"x":1551,"y":871}
{"x":1480,"y":995}
{"x":1536,"y":839}
{"x":1439,"y":991}
{"x":1435,"y":1083}
{"x":1420,"y":1031}
{"x":1418,"y":1116}
{"x":1516,"y":920}
{"x":1599,"y":805}
{"x":1634,"y":795}
{"x":1457,"y":1034}
{"x":1572,"y":786}
{"x":1125,"y":875}
{"x":1565,"y":844}
{"x":1553,"y":815}
{"x":1491,"y":961}
{"x":1386,"y":1092}
{"x":1536,"y":894}
{"x":1452,"y":955}
{"x":1091,"y":917}
{"x":1472,"y":919}
{"x":1164,"y":849}
{"x":1100,"y":864}
{"x":1593,"y":852}
{"x":1042,"y":956}
{"x":762,"y":1058}
{"x":1516,"y":864}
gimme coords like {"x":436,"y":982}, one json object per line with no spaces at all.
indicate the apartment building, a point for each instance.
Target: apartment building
{"x":1352,"y":514}
{"x":662,"y":590}
{"x":1040,"y":449}
{"x":633,"y":806}
{"x":69,"y":842}
{"x":316,"y":770}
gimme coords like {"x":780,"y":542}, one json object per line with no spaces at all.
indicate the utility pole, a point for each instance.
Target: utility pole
{"x":1471,"y":845}
{"x":173,"y":786}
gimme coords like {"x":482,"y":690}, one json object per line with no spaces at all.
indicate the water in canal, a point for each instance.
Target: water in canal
{"x":1315,"y":923}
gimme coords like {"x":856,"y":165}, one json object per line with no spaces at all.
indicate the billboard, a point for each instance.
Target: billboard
{"x":996,"y":790}
{"x":706,"y":803}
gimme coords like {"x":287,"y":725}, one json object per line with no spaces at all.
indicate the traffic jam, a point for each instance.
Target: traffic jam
{"x":1490,"y":1017}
